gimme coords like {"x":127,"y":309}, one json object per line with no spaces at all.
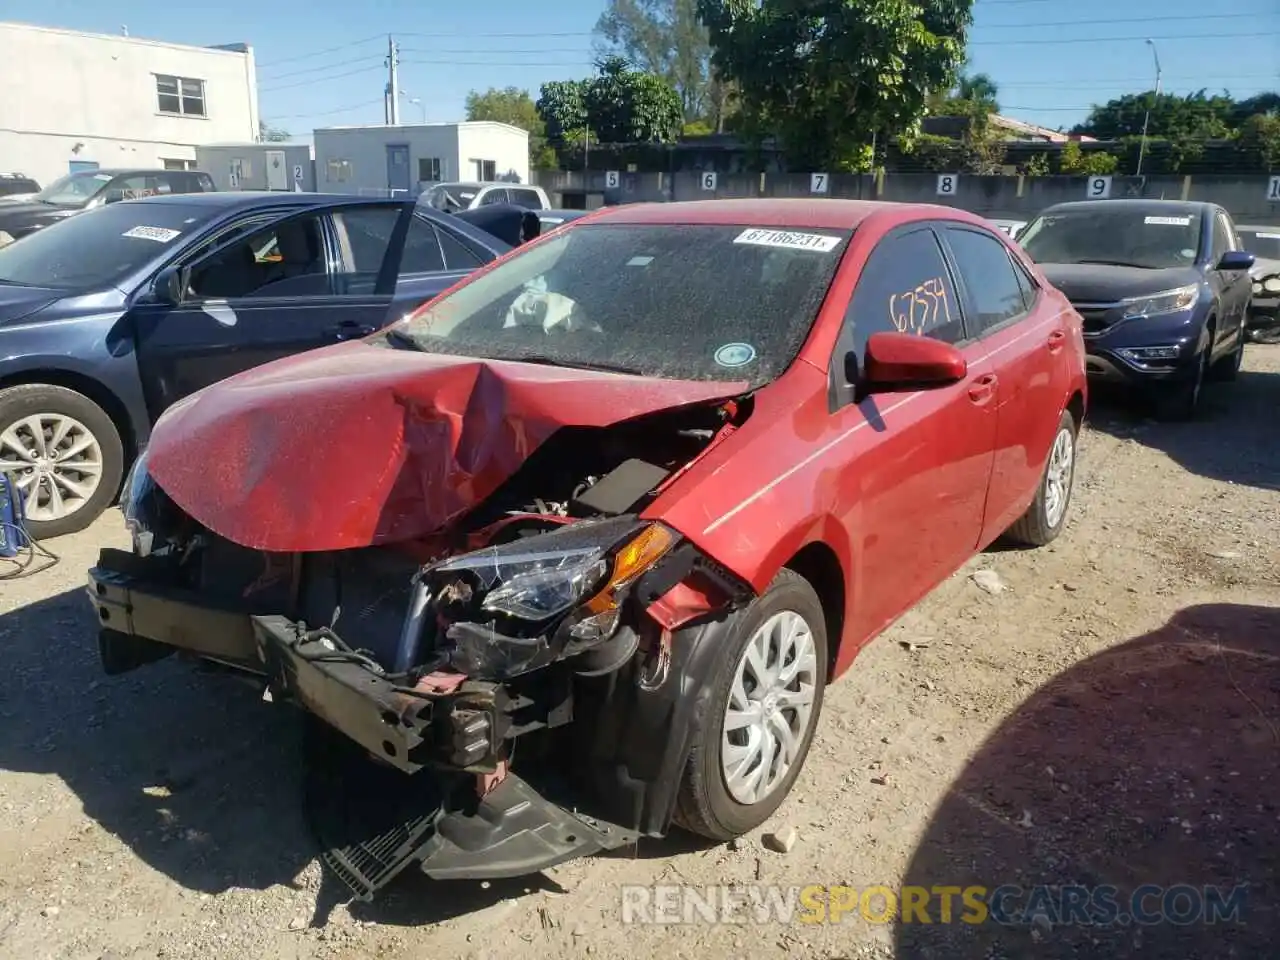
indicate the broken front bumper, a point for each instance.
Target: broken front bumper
{"x":475,"y":819}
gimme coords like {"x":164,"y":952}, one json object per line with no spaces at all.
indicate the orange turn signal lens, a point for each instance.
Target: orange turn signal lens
{"x":641,"y":553}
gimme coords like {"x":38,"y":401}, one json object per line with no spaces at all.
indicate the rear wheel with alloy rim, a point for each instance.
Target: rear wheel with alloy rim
{"x":1047,"y":514}
{"x":765,"y":697}
{"x":63,"y":454}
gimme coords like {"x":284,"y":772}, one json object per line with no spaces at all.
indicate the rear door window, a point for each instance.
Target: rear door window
{"x":528,"y":199}
{"x":422,"y":253}
{"x":993,"y":293}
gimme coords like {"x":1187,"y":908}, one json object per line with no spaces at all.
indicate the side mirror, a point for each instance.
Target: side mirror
{"x":169,"y":286}
{"x":902,"y":361}
{"x":1236,"y":260}
{"x":113,"y":196}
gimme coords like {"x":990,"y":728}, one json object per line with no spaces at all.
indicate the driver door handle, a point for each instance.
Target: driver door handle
{"x":350,"y":330}
{"x":983,"y":389}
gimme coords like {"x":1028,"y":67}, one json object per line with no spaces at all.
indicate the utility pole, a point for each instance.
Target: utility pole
{"x":392,"y":109}
{"x":1146,"y":119}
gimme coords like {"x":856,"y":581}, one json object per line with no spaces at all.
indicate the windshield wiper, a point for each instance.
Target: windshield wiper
{"x":580,"y":364}
{"x":403,"y":339}
{"x":1117,"y":263}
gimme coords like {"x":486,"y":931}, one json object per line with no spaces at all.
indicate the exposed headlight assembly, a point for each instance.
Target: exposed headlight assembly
{"x":515,"y":607}
{"x":1167,"y":301}
{"x":1271,"y":284}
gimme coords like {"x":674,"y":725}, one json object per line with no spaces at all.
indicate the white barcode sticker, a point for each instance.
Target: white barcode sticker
{"x":787,"y":239}
{"x":1169,"y":221}
{"x":158,"y":234}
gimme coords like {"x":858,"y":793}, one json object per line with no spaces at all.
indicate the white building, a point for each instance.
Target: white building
{"x":382,"y":160}
{"x":259,"y":166}
{"x":75,"y":101}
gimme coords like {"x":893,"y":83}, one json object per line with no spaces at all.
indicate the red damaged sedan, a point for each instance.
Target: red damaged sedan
{"x":572,"y":552}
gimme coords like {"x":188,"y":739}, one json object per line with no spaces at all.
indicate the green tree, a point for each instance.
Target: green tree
{"x":1173,"y":117}
{"x":629,"y":106}
{"x":562,"y":105}
{"x":270,"y":134}
{"x":514,"y":106}
{"x":1071,"y":159}
{"x":827,"y":76}
{"x":618,"y":105}
{"x":1260,"y":141}
{"x":666,"y":39}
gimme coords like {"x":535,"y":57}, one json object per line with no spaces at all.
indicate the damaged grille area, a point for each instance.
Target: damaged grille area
{"x":369,"y":590}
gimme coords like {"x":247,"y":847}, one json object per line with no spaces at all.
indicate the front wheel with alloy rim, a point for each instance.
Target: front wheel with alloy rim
{"x":765,"y":697}
{"x":63,"y":454}
{"x":1183,"y":400}
{"x":1047,"y":514}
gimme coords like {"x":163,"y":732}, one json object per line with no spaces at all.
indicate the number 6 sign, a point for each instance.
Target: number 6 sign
{"x":947,"y":184}
{"x":708,"y":181}
{"x":1098,"y":188}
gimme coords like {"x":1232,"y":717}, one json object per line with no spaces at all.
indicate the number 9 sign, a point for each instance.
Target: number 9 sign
{"x":709,"y":181}
{"x":1098,"y":188}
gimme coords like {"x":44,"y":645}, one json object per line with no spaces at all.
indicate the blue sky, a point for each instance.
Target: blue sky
{"x":321,"y":63}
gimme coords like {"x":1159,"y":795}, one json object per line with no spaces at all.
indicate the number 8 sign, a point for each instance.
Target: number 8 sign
{"x":1098,"y":188}
{"x":708,"y":181}
{"x":947,"y":184}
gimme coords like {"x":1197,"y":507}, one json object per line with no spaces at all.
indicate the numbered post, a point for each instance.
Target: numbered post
{"x":1098,"y":188}
{"x":235,"y":180}
{"x":297,"y":173}
{"x":819,"y":183}
{"x":709,"y":180}
{"x":1273,"y":189}
{"x":947,"y":184}
{"x":612,"y":178}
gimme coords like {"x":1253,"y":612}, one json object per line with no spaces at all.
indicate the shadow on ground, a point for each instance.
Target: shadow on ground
{"x":1156,"y":762}
{"x":1235,"y":438}
{"x":200,"y":779}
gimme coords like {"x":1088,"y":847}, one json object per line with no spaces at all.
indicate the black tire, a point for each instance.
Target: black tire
{"x":1228,"y":368}
{"x":1182,"y":403}
{"x":1265,"y":334}
{"x":703,"y":805}
{"x":1033,"y":528}
{"x":28,"y":400}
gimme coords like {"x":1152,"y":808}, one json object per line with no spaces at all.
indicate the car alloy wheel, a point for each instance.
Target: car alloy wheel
{"x":1059,"y":475}
{"x":770,"y":707}
{"x":55,"y":461}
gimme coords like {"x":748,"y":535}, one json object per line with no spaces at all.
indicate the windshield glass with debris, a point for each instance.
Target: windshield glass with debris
{"x":693,"y":302}
{"x":1132,"y":237}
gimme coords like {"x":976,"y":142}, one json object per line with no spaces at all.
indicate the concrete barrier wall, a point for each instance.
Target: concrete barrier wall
{"x":1246,"y":198}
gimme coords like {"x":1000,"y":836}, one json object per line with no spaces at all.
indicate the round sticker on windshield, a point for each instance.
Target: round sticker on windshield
{"x":1188,"y":252}
{"x":735,"y":354}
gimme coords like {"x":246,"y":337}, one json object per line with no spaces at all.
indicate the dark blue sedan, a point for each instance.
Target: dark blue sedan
{"x":108,"y":318}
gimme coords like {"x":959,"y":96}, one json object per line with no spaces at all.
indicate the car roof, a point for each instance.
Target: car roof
{"x":1260,"y":227}
{"x":127,"y":171}
{"x":778,"y":212}
{"x":1154,"y":206}
{"x":230,"y":199}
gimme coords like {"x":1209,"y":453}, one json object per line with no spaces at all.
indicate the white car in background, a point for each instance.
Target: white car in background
{"x":452,"y":197}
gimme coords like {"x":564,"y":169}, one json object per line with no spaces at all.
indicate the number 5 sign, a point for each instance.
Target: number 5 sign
{"x":1098,"y":188}
{"x":708,"y":181}
{"x":611,"y":179}
{"x":819,"y":183}
{"x":1273,"y":189}
{"x":947,"y":184}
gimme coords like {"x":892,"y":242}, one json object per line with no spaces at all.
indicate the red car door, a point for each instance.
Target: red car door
{"x":1026,"y":344}
{"x":912,"y":489}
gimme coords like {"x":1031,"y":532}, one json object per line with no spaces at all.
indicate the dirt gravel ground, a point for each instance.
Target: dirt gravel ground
{"x":1111,"y":716}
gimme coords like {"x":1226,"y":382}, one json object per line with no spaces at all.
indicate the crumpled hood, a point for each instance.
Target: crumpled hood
{"x":357,"y":444}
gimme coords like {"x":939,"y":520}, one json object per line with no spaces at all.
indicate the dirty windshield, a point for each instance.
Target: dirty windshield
{"x":696,"y":302}
{"x":98,"y":248}
{"x":1132,"y":236}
